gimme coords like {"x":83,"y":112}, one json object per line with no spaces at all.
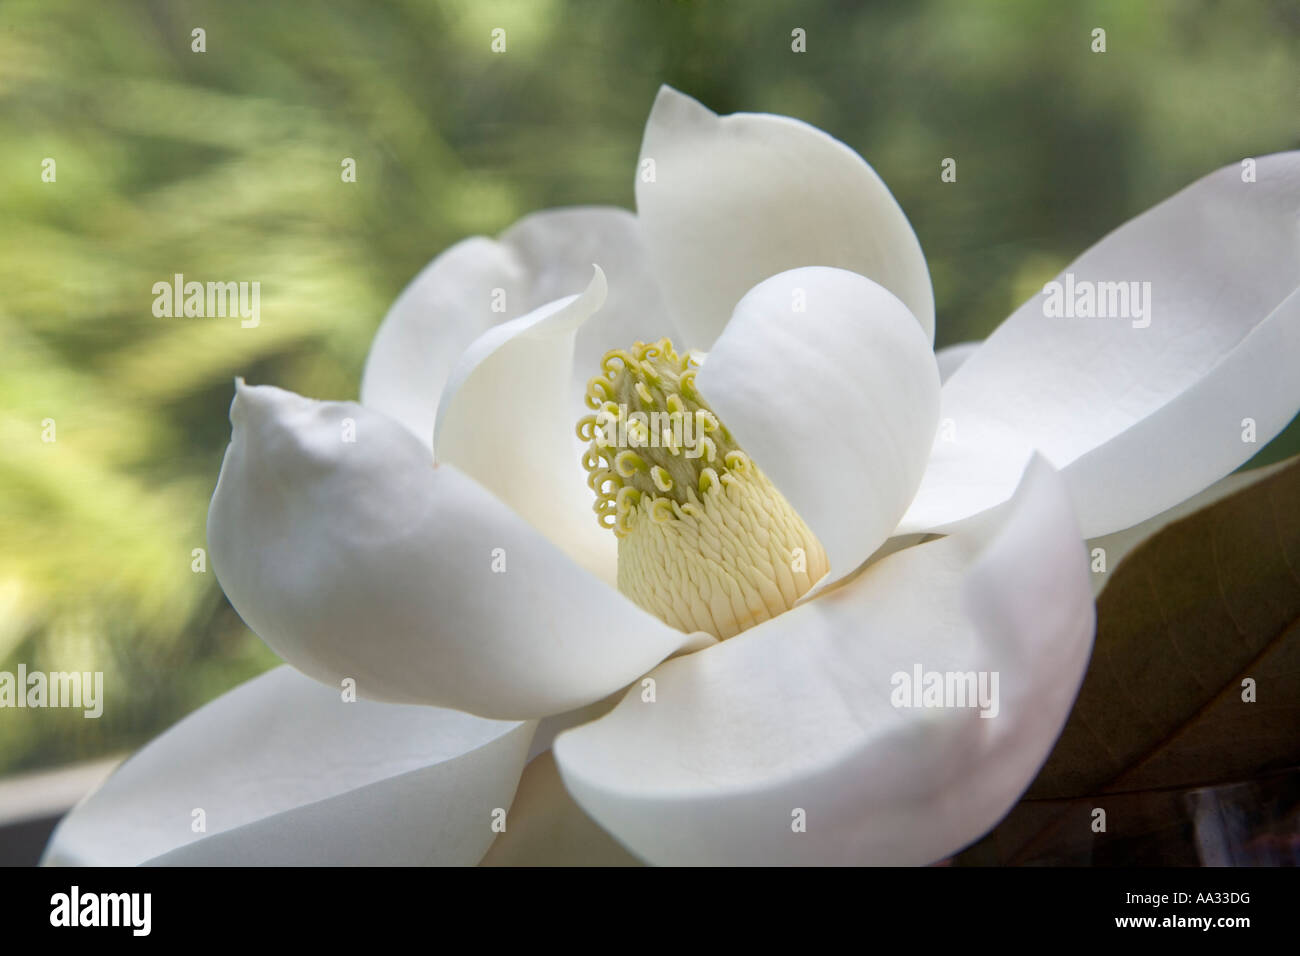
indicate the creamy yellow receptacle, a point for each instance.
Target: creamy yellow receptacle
{"x":705,"y":541}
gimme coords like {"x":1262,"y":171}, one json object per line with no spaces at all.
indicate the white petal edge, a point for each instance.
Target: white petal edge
{"x":735,"y":199}
{"x":953,"y":357}
{"x":546,"y":827}
{"x":361,"y":559}
{"x":1138,"y":417}
{"x":828,"y":384}
{"x":443,"y":309}
{"x":507,"y":420}
{"x":550,"y":727}
{"x":479,"y":283}
{"x":560,"y":246}
{"x":1120,"y":544}
{"x":796,"y":715}
{"x":286,"y":772}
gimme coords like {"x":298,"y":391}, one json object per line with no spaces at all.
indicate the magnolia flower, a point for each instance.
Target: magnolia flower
{"x":719,"y":658}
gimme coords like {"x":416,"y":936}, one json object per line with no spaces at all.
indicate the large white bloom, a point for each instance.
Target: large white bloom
{"x":448,"y":562}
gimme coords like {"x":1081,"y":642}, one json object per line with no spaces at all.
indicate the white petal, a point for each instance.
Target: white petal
{"x":735,"y":199}
{"x":796,"y":714}
{"x":1138,"y":418}
{"x":560,"y":245}
{"x":954,"y":357}
{"x":507,"y":420}
{"x":481,"y":282}
{"x":827,"y":382}
{"x":446,"y":306}
{"x":361,"y":559}
{"x":547,"y":828}
{"x":549,"y":728}
{"x":286,"y":772}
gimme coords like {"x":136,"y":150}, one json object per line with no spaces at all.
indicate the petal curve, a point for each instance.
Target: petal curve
{"x":362,"y":559}
{"x":288,"y":773}
{"x":480,"y":282}
{"x":953,"y":357}
{"x":1137,"y":412}
{"x":735,"y":199}
{"x":829,"y":385}
{"x":548,"y":829}
{"x":796,"y":714}
{"x":507,"y":419}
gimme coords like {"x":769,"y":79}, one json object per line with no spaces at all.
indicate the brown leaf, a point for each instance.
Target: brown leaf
{"x":1189,"y":615}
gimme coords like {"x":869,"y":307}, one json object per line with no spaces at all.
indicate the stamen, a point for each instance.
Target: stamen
{"x":705,"y":541}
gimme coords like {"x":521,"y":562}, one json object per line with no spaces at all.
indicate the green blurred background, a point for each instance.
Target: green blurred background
{"x":226,"y":165}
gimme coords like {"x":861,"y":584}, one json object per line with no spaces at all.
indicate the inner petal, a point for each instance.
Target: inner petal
{"x":705,"y":540}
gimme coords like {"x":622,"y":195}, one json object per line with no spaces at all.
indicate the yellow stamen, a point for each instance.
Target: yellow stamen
{"x":705,"y":541}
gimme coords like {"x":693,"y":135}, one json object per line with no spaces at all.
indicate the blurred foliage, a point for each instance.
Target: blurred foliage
{"x":225,"y":165}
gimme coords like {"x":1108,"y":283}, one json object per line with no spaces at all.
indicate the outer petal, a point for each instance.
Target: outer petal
{"x":361,"y":559}
{"x":554,"y":725}
{"x":288,"y":773}
{"x":736,"y":199}
{"x":796,"y":713}
{"x":828,"y":384}
{"x":954,"y":357}
{"x":507,"y":420}
{"x":1139,"y":417}
{"x":481,"y":282}
{"x":561,"y":245}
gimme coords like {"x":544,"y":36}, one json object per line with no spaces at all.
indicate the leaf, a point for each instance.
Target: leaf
{"x":1247,"y":824}
{"x":1205,"y":604}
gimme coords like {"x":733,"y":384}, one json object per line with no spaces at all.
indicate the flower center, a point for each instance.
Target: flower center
{"x":705,"y":541}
